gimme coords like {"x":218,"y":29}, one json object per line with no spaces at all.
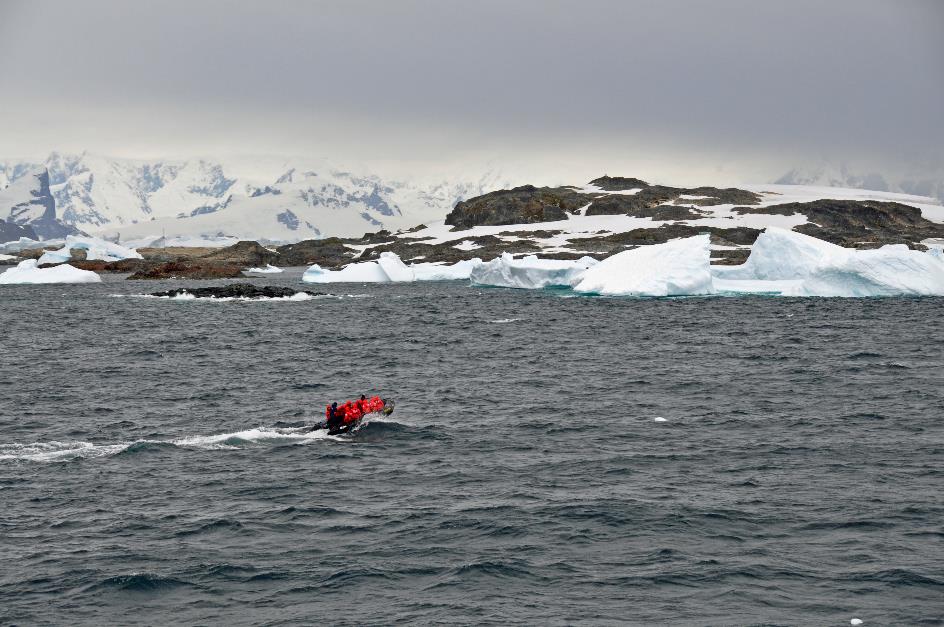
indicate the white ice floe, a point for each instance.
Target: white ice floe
{"x":7,"y":257}
{"x":659,"y":419}
{"x":390,"y":269}
{"x":677,"y":268}
{"x":269,"y":269}
{"x":530,"y":272}
{"x":96,"y":250}
{"x":461,"y":270}
{"x":855,"y":621}
{"x":792,"y":264}
{"x":29,"y":272}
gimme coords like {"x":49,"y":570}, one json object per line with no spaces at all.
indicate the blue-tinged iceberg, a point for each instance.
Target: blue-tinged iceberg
{"x":792,"y":264}
{"x":530,"y":272}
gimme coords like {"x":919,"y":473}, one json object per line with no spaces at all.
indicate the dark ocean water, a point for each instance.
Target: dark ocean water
{"x":153,"y":469}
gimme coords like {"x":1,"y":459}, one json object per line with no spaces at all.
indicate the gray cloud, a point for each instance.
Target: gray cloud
{"x":735,"y":83}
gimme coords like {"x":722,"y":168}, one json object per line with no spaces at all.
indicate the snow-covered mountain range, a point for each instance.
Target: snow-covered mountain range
{"x":273,"y":199}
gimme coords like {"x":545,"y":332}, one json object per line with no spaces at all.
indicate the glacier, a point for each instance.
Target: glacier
{"x":96,"y":250}
{"x":677,"y":268}
{"x":29,"y":272}
{"x":529,"y":272}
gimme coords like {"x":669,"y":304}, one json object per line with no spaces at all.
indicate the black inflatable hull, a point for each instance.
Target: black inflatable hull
{"x":350,"y":426}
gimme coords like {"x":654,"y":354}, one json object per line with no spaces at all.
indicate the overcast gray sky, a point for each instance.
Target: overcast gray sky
{"x":742,"y":88}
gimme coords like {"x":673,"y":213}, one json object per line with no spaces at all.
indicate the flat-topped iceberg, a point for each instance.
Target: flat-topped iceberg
{"x":530,"y":272}
{"x":677,"y":268}
{"x":29,"y":272}
{"x":96,"y":250}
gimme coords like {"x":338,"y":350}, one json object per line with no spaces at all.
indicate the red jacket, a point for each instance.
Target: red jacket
{"x":353,"y":413}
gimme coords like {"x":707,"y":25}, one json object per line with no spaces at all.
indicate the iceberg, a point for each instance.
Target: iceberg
{"x":269,"y":269}
{"x":25,"y":242}
{"x":780,"y":254}
{"x":29,"y":272}
{"x":530,"y":272}
{"x":390,"y":269}
{"x":677,"y":268}
{"x":888,"y":271}
{"x":461,"y":270}
{"x":387,"y":269}
{"x":97,"y":250}
{"x":396,"y":270}
{"x":792,"y":264}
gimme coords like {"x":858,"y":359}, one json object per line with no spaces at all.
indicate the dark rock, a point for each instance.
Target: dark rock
{"x":857,"y":223}
{"x":237,"y":290}
{"x":642,"y":203}
{"x":327,"y":253}
{"x":522,"y":205}
{"x":729,"y":257}
{"x":246,"y":253}
{"x":189,"y":270}
{"x":618,"y":183}
{"x":122,"y":266}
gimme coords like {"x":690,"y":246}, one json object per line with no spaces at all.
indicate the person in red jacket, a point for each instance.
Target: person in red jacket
{"x":376,"y":404}
{"x":352,"y":413}
{"x":363,"y":405}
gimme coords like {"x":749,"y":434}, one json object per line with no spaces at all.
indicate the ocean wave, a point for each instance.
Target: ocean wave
{"x":57,"y":451}
{"x":138,"y":582}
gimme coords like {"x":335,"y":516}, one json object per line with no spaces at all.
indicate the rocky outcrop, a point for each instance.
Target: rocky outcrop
{"x":858,"y":223}
{"x":618,"y":183}
{"x":327,"y":253}
{"x":522,"y":205}
{"x":236,"y":290}
{"x":249,"y":254}
{"x":529,"y":204}
{"x":189,"y":270}
{"x":645,"y":203}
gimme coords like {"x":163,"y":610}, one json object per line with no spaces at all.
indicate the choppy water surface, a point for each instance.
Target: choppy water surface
{"x":154,"y":467}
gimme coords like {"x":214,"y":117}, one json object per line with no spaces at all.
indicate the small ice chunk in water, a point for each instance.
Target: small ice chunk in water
{"x":856,"y":621}
{"x":658,"y":419}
